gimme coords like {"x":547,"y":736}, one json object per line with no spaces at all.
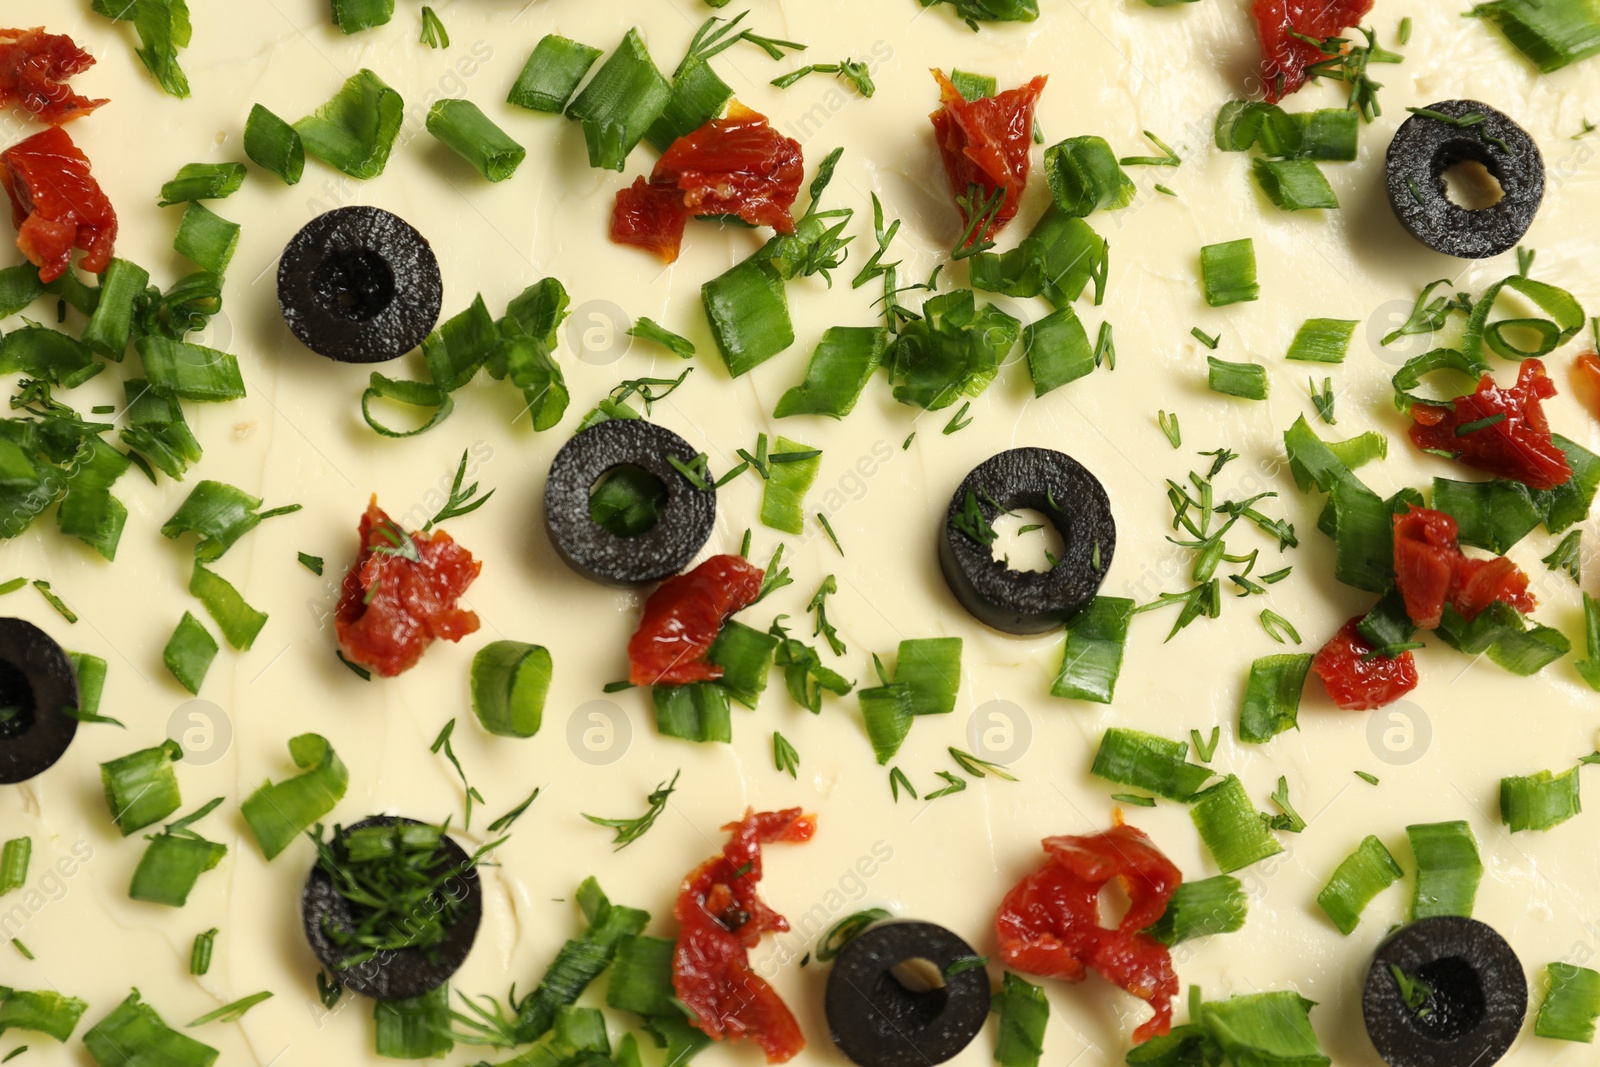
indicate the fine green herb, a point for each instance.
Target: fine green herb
{"x":953,"y":784}
{"x":847,"y":930}
{"x":1278,"y":628}
{"x":1204,"y":750}
{"x":355,"y":668}
{"x":1414,"y":992}
{"x":504,"y":822}
{"x":959,"y":420}
{"x":22,"y":950}
{"x":827,"y":528}
{"x":471,"y":792}
{"x":1167,"y":158}
{"x":1348,"y":62}
{"x":200,"y":954}
{"x":1323,"y":399}
{"x":970,"y":520}
{"x":630,"y":830}
{"x":847,"y":70}
{"x":434,"y":35}
{"x":310,"y":563}
{"x":899,"y":781}
{"x":1568,"y":556}
{"x":784,"y":756}
{"x":462,"y":501}
{"x":54,"y":601}
{"x":1370,"y":779}
{"x":14,"y":863}
{"x":1134,"y":799}
{"x":1169,"y":426}
{"x":232,"y":1013}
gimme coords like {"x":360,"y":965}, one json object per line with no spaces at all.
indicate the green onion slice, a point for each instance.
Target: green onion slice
{"x":1550,"y":35}
{"x":1293,"y":184}
{"x":274,"y":145}
{"x":14,"y":859}
{"x":931,"y":668}
{"x":695,"y":712}
{"x":510,"y":680}
{"x":1568,"y":504}
{"x":1149,"y":763}
{"x":141,"y":788}
{"x":43,"y":1012}
{"x":749,"y":315}
{"x":1568,"y":1012}
{"x":745,"y":656}
{"x":355,"y":131}
{"x":277,"y":813}
{"x":1216,"y":905}
{"x":1502,"y":633}
{"x":847,"y":930}
{"x":1272,"y":697}
{"x":1232,"y":829}
{"x":174,"y":861}
{"x":1247,"y":381}
{"x":1023,"y":1012}
{"x":460,"y":346}
{"x":783,"y":493}
{"x":412,"y":394}
{"x":202,"y":181}
{"x":219,"y":513}
{"x":207,"y":238}
{"x":110,"y":325}
{"x":1540,"y":801}
{"x":189,"y":653}
{"x":838,"y":371}
{"x":1494,"y":515}
{"x":887,"y":711}
{"x":552,"y":74}
{"x":465,"y":129}
{"x":1448,"y":869}
{"x":88,"y":511}
{"x":240,"y":623}
{"x":200,"y":955}
{"x":189,"y":371}
{"x":1058,"y":350}
{"x":414,"y":1029}
{"x":1084,"y":176}
{"x":1360,"y":876}
{"x":353,"y":16}
{"x":1057,"y":260}
{"x":641,"y":976}
{"x":579,"y":961}
{"x":620,"y":103}
{"x":1322,"y":340}
{"x":1091,"y":657}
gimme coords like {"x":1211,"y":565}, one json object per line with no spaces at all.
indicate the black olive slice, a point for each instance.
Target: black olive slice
{"x":684,"y":519}
{"x":1075,"y":503}
{"x":359,"y":285}
{"x":37,"y":686}
{"x":1470,"y":1003}
{"x":878,"y":1021}
{"x":403,"y":973}
{"x":1425,"y":147}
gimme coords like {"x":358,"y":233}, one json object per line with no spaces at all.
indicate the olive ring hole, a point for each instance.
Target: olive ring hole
{"x":1455,"y":1003}
{"x":17,"y":707}
{"x":626,"y":500}
{"x":1027,"y":539}
{"x":1471,"y":176}
{"x":355,"y":284}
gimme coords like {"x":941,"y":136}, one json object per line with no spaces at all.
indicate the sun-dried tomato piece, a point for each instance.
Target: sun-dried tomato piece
{"x":987,"y":143}
{"x":738,"y":165}
{"x":401,"y":594}
{"x":682,"y":617}
{"x":1502,"y":431}
{"x":57,"y":205}
{"x":34,"y":68}
{"x":1284,"y":57}
{"x":1586,"y":379}
{"x":1356,"y":678}
{"x":1431,"y":571}
{"x":720,"y":919}
{"x":1049,"y":923}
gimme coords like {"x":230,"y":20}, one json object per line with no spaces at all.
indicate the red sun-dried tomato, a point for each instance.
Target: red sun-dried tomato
{"x":738,"y":165}
{"x":57,"y":205}
{"x":682,"y":617}
{"x":987,"y":143}
{"x":1049,"y":923}
{"x":1284,"y":57}
{"x":34,"y":68}
{"x":1431,"y":571}
{"x":720,"y":919}
{"x":1356,"y":679}
{"x":1505,"y":434}
{"x":1586,"y":379}
{"x":401,"y":594}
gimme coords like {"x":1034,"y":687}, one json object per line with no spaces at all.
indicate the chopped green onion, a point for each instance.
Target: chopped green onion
{"x":1091,"y":657}
{"x":1539,"y":802}
{"x":141,"y":788}
{"x":202,"y":181}
{"x":239,"y":622}
{"x":649,"y":330}
{"x":1360,"y":876}
{"x":467,"y":131}
{"x":954,"y":351}
{"x":745,"y":656}
{"x":310,"y":563}
{"x":1023,"y":1012}
{"x":188,"y":371}
{"x":1501,"y":632}
{"x":1153,"y":764}
{"x":1084,"y":176}
{"x":698,"y":93}
{"x":1228,"y":272}
{"x":89,"y":512}
{"x":552,"y":74}
{"x":43,"y":1012}
{"x":352,"y":16}
{"x":887,"y":711}
{"x":277,"y":813}
{"x":231,"y":1013}
{"x":157,"y":430}
{"x":695,"y":712}
{"x":200,"y":954}
{"x":973,"y":86}
{"x":1134,"y":799}
{"x":274,"y":145}
{"x":1294,"y":184}
{"x":54,"y":601}
{"x":174,"y":861}
{"x":110,"y":325}
{"x":579,"y":961}
{"x":1057,"y":349}
{"x":1169,"y":427}
{"x":1263,"y":1028}
{"x":412,"y":394}
{"x":355,"y":131}
{"x":1550,"y":35}
{"x":620,"y":103}
{"x":20,"y":286}
{"x":22,"y":950}
{"x":219,"y":513}
{"x":1245,"y":380}
{"x":1448,"y":869}
{"x":641,"y":976}
{"x":783,"y":494}
{"x":41,"y":352}
{"x":784,"y":756}
{"x":1233,"y":831}
{"x":931,"y":668}
{"x":749,"y":315}
{"x":847,"y":930}
{"x":1494,"y":515}
{"x":1589,"y":666}
{"x":434,"y":35}
{"x":414,"y":1029}
{"x":1570,"y":1009}
{"x":1568,"y":504}
{"x":1057,"y":260}
{"x":1272,"y":697}
{"x":14,"y":863}
{"x":1322,"y":340}
{"x":510,"y":680}
{"x":189,"y":653}
{"x":1215,"y":905}
{"x":837,"y":372}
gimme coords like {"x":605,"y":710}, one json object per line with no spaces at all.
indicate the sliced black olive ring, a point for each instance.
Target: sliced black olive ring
{"x":684,"y":520}
{"x":359,"y":285}
{"x":37,"y":686}
{"x":1425,"y":147}
{"x":403,"y":973}
{"x":878,"y":1021}
{"x":1468,"y":1007}
{"x":1074,"y":502}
